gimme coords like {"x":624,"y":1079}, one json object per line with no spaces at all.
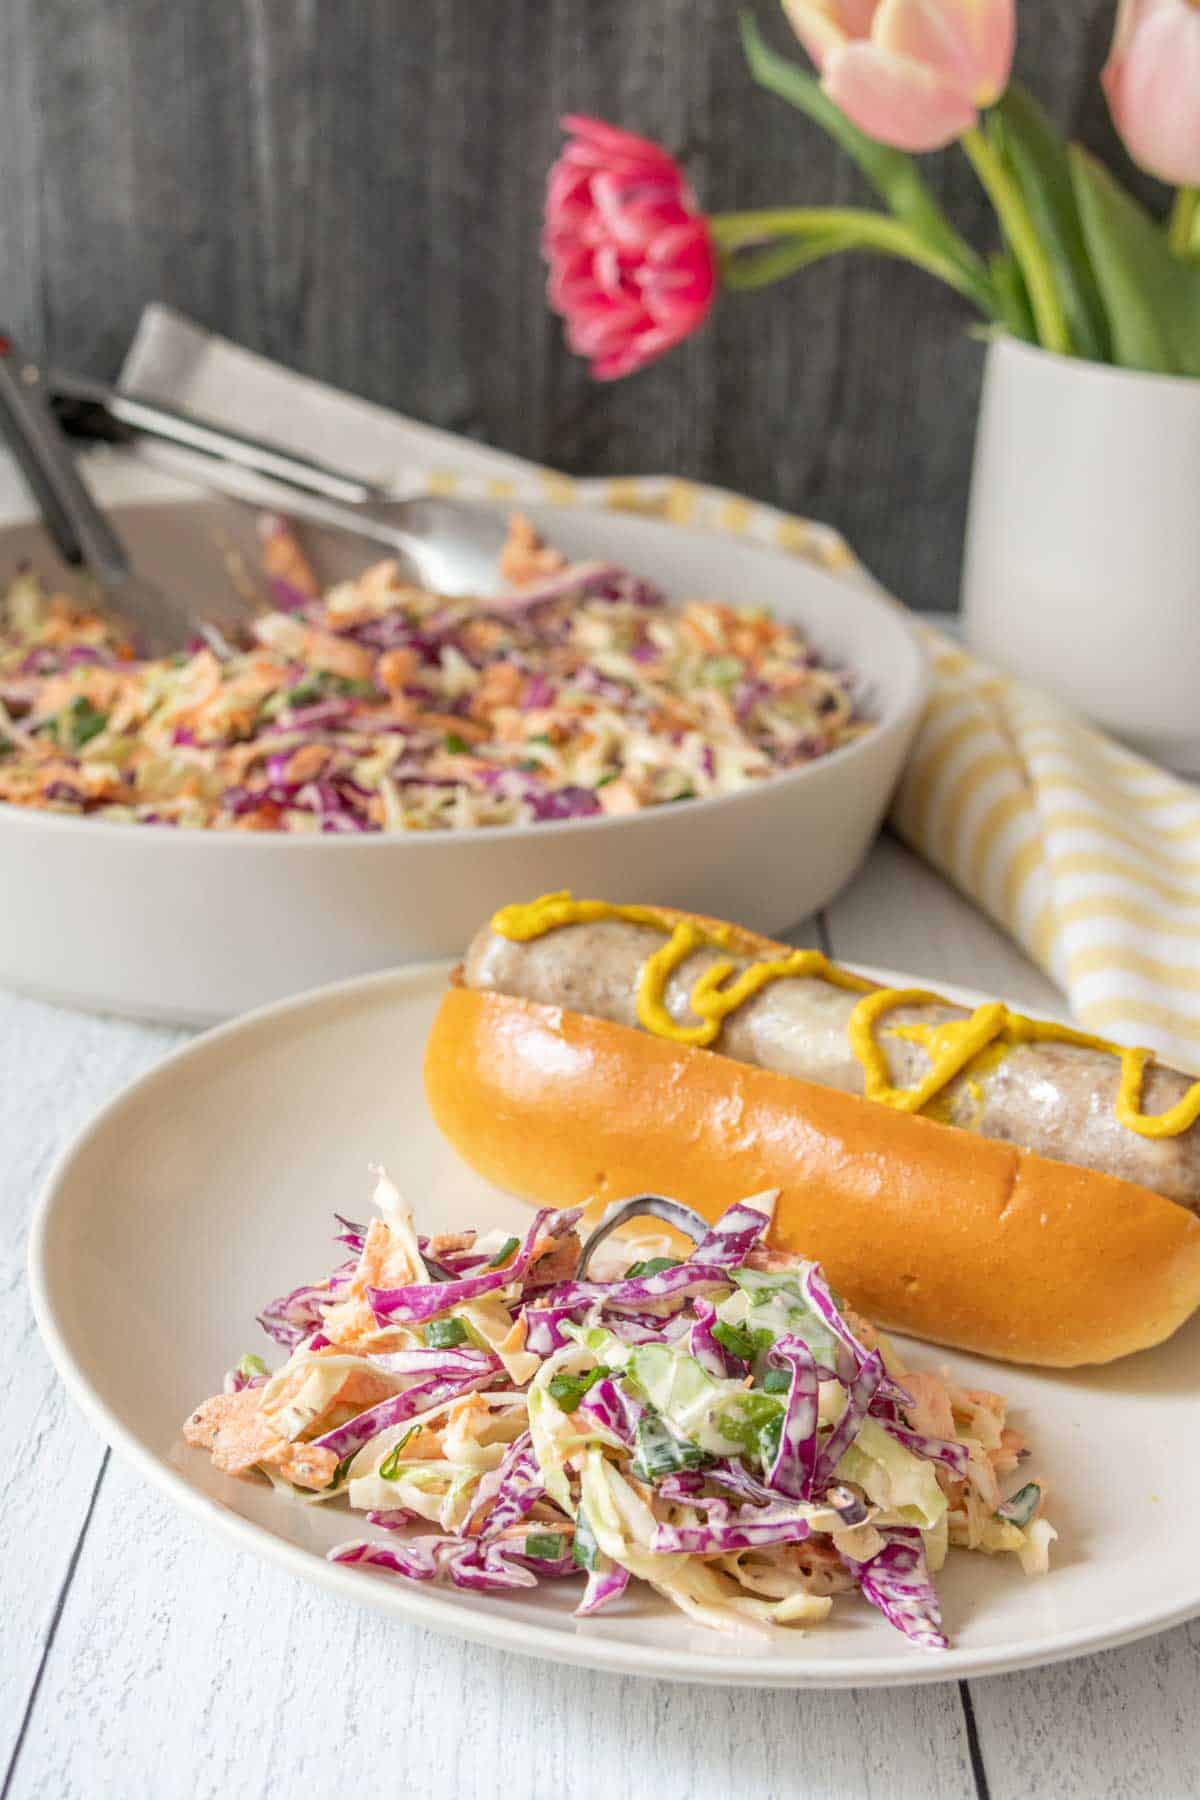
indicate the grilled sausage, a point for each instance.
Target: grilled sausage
{"x":1056,"y":1099}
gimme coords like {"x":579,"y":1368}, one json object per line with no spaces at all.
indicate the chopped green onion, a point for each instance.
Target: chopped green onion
{"x":585,"y":1549}
{"x":769,"y":1439}
{"x":547,"y":1546}
{"x":721,"y":671}
{"x":389,"y":1468}
{"x":310,"y":689}
{"x":745,"y":1417}
{"x":456,"y":745}
{"x":251,"y":1365}
{"x":776,"y":1381}
{"x":660,"y":1452}
{"x":79,"y":722}
{"x":444,"y":1334}
{"x":339,"y":1474}
{"x":654,"y":1266}
{"x":321,"y":684}
{"x":541,"y":737}
{"x":739,"y":1340}
{"x":686,"y":794}
{"x":605,"y":779}
{"x":504,"y":1252}
{"x":568,"y":1390}
{"x":1024,"y":1503}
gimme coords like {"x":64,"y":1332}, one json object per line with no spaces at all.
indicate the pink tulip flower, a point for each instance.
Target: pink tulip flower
{"x":1152,"y":80}
{"x":910,"y":73}
{"x":632,"y":269}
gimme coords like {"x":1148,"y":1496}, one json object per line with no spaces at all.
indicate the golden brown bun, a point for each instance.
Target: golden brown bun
{"x":926,"y":1228}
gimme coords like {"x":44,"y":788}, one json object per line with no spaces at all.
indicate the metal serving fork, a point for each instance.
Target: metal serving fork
{"x":642,"y":1206}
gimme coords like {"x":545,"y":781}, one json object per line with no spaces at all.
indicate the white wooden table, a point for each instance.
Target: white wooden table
{"x":143,"y":1660}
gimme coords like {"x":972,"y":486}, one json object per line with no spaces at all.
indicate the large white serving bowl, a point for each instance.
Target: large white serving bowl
{"x":196,"y":926}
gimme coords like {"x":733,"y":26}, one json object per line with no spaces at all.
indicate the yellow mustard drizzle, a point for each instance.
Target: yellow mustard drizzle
{"x":952,"y":1046}
{"x":949,"y":1046}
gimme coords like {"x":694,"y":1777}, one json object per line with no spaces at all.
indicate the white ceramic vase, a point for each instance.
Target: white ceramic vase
{"x":1082,"y":569}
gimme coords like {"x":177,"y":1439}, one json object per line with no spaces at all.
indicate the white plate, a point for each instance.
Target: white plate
{"x":195,"y":926}
{"x":208,"y":1187}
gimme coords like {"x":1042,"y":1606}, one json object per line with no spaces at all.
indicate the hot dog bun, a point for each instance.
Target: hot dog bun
{"x":929,"y":1229}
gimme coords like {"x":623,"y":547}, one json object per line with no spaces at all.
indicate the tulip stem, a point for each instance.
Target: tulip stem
{"x":1027,"y":247}
{"x":846,"y":228}
{"x":1183,"y":220}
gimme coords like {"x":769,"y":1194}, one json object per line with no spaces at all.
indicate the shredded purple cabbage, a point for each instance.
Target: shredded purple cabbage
{"x":796,"y":1458}
{"x":727,"y":1528}
{"x":611,"y":1406}
{"x":416,"y":1305}
{"x":519,"y":1487}
{"x":419,"y":1398}
{"x":291,"y":1318}
{"x":732,"y":1238}
{"x":704,"y":1347}
{"x":853,"y":1353}
{"x":934,"y":1449}
{"x":861,"y":1392}
{"x":897,"y":1582}
{"x":604,"y":1584}
{"x":678,"y":1283}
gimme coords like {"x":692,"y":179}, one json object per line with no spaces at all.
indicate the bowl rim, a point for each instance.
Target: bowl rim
{"x":912,"y":683}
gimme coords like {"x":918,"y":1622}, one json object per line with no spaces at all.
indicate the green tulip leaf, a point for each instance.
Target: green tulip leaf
{"x":1152,"y":297}
{"x":756,"y":248}
{"x":745,"y":270}
{"x":1037,"y":157}
{"x":1016,"y":314}
{"x":893,"y":175}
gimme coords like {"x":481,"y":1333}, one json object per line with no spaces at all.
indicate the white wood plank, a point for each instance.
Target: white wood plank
{"x":1125,"y":1723}
{"x":183,"y":1669}
{"x":55,"y":1069}
{"x":901,"y":914}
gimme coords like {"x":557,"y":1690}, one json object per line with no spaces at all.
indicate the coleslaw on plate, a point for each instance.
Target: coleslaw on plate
{"x":722,"y":1427}
{"x":379,"y":706}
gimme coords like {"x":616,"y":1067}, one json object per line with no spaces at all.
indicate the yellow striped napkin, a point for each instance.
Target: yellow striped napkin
{"x":1087,"y":854}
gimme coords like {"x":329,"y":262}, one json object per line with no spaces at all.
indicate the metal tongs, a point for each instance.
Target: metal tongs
{"x":81,"y":531}
{"x":451,"y":546}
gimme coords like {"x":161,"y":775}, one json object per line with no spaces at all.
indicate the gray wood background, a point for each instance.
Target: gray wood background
{"x":354,"y":186}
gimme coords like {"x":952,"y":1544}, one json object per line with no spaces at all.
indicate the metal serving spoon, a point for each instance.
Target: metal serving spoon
{"x":451,"y":546}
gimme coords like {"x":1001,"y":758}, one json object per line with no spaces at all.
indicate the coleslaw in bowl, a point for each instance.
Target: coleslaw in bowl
{"x":194,"y":925}
{"x":377,"y":705}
